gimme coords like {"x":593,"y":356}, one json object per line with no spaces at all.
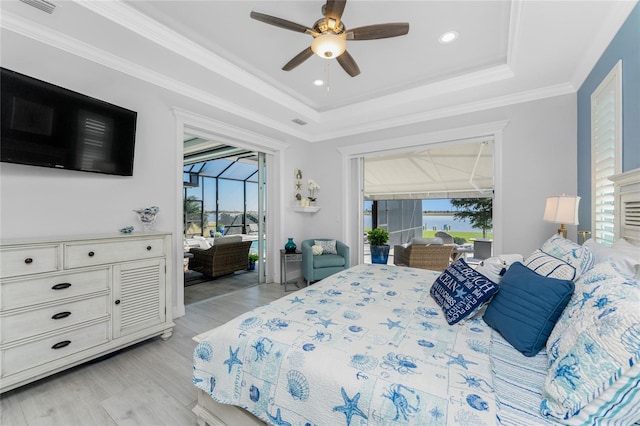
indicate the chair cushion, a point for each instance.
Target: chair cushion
{"x":426,"y":241}
{"x":228,"y":240}
{"x":328,"y":261}
{"x":316,"y":250}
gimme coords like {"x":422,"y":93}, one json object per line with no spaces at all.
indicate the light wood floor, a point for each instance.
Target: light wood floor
{"x":147,"y":384}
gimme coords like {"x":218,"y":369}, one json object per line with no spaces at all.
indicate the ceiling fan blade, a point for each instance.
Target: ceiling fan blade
{"x":334,"y":8}
{"x":298,"y":59}
{"x":372,"y":32}
{"x":282,"y":23}
{"x":348,"y":64}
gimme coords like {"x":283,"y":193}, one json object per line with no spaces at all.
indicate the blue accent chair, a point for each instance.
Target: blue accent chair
{"x":315,"y":268}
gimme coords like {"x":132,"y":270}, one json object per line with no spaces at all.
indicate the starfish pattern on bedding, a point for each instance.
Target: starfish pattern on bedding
{"x":459,"y":360}
{"x":277,"y":420}
{"x":391,"y":324}
{"x":233,"y":358}
{"x":326,"y":322}
{"x":350,"y":407}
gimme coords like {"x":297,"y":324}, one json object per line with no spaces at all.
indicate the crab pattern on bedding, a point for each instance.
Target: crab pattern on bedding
{"x":365,"y":346}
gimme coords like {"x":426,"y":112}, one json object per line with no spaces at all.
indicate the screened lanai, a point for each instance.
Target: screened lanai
{"x":396,"y":183}
{"x":220,"y":190}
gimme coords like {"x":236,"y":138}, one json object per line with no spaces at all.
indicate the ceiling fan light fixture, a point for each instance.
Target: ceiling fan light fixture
{"x":328,"y":46}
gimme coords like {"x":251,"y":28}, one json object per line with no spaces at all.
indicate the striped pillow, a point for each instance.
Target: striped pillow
{"x":549,"y":266}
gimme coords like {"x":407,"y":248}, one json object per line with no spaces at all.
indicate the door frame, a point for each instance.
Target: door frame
{"x":201,"y":126}
{"x":353,"y":166}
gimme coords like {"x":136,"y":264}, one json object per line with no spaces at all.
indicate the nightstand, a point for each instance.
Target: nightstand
{"x":285,"y":259}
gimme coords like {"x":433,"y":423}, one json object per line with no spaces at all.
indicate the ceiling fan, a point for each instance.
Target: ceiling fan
{"x":330,"y":35}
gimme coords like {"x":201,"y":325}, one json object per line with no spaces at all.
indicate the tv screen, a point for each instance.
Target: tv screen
{"x":46,"y":125}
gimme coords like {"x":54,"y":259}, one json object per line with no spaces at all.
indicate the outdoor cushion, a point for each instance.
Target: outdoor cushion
{"x":426,"y":241}
{"x":228,"y":240}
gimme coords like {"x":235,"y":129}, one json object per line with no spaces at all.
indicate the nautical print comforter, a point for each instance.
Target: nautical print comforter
{"x":365,"y":346}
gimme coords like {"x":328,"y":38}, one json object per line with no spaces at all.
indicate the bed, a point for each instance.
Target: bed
{"x":379,"y":344}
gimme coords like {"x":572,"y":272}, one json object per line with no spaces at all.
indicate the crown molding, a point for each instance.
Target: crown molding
{"x":485,"y":104}
{"x":68,"y":44}
{"x":603,"y":38}
{"x":131,"y":19}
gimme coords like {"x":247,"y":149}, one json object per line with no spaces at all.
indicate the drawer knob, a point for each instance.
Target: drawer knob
{"x":28,"y":260}
{"x":61,"y":315}
{"x":61,"y":286}
{"x":61,"y":345}
{"x":117,"y":302}
{"x":149,"y":248}
{"x":91,"y":254}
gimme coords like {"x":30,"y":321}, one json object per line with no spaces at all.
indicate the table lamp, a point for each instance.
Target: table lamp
{"x":562,"y":209}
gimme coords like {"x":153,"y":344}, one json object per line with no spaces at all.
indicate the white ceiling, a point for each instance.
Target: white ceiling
{"x":213,"y":52}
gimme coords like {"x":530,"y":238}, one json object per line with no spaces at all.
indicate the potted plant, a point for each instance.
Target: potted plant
{"x":378,"y":238}
{"x":253,"y":258}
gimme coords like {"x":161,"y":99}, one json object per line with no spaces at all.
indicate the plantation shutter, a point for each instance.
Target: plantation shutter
{"x":606,"y":142}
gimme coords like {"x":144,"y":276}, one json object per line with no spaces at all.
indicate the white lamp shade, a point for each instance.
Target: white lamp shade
{"x":562,"y":209}
{"x":328,"y":46}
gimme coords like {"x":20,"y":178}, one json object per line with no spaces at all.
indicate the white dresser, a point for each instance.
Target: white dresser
{"x":66,"y":301}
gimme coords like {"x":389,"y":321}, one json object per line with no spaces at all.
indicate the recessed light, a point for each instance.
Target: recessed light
{"x":318,"y":82}
{"x":448,"y":37}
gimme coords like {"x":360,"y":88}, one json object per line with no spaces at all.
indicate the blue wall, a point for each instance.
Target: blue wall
{"x":625,"y":46}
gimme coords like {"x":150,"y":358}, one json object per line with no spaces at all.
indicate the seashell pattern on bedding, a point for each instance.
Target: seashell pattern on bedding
{"x":366,"y":346}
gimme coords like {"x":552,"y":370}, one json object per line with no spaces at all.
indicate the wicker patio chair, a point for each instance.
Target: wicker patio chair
{"x":221,"y":259}
{"x":435,"y":257}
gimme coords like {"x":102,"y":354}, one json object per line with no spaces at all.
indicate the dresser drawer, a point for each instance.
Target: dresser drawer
{"x":23,"y":357}
{"x":19,"y":292}
{"x":35,"y":259}
{"x":79,"y":255}
{"x":52,"y":318}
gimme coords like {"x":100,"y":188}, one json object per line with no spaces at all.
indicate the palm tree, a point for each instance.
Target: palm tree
{"x":479,"y":211}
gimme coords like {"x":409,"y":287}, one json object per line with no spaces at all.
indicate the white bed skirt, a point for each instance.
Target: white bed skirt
{"x":209,"y":412}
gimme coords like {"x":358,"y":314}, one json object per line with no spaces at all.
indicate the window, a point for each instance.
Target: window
{"x":606,"y":143}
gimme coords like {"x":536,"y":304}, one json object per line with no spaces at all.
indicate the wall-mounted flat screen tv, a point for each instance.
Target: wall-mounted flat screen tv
{"x":46,"y":125}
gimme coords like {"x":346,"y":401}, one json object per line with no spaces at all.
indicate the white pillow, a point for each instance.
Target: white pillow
{"x":202,"y":243}
{"x":316,"y":250}
{"x":630,"y":250}
{"x":495,"y":267}
{"x":621,"y":255}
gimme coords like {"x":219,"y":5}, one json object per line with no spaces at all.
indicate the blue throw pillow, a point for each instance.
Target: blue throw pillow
{"x":461,"y":291}
{"x":527,"y":307}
